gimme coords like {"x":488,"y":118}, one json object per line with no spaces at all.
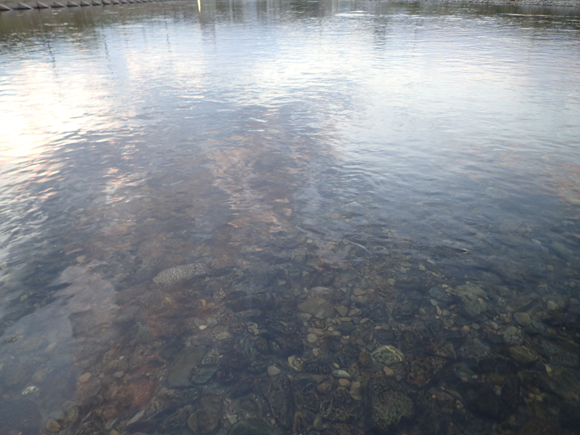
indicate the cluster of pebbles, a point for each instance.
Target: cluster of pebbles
{"x":213,"y":353}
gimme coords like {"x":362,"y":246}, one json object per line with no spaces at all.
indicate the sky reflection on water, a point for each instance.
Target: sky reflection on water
{"x":410,"y":169}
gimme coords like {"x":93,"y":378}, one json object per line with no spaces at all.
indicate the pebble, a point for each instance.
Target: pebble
{"x":311,"y":338}
{"x":343,"y":382}
{"x":85,"y":377}
{"x":273,"y":371}
{"x":325,"y":387}
{"x":522,"y":319}
{"x":340,"y":374}
{"x":552,"y":305}
{"x":52,"y":425}
{"x":202,"y":327}
{"x":342,"y":310}
{"x":211,"y":322}
{"x":465,"y":329}
{"x":388,"y":372}
{"x":296,"y":363}
{"x":119,"y":374}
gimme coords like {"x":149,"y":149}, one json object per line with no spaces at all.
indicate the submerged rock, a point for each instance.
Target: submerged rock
{"x":473,"y":299}
{"x":387,"y":355}
{"x":388,"y":406}
{"x":422,"y":369}
{"x":180,"y":274}
{"x":179,"y":374}
{"x":341,"y":407}
{"x":206,"y":419}
{"x":523,"y":354}
{"x":253,"y":427}
{"x":278,"y":392}
{"x":317,"y":307}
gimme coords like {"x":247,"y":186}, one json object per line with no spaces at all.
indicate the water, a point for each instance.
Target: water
{"x":406,"y":173}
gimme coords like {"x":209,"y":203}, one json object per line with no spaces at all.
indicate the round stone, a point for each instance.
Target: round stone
{"x":85,"y":377}
{"x":344,"y":382}
{"x":311,"y":338}
{"x":52,"y":425}
{"x":522,"y":319}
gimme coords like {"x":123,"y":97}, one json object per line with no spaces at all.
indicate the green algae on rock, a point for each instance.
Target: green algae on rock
{"x":180,"y":274}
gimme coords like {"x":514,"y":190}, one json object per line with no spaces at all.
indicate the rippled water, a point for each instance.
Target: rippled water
{"x":267,"y":217}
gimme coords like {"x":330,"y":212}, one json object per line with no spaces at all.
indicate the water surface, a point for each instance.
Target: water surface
{"x":290,"y":217}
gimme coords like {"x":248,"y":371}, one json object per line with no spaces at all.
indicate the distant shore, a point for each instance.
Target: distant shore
{"x":554,"y":3}
{"x":42,"y":4}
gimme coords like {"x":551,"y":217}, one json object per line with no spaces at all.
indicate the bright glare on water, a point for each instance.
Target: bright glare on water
{"x":290,"y":217}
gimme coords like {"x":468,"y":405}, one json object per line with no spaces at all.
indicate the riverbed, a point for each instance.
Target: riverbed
{"x":307,"y":217}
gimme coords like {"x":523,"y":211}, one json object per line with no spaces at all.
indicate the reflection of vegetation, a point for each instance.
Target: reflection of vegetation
{"x":74,"y":23}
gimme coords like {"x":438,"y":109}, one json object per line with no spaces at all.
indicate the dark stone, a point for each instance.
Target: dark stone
{"x":341,"y":407}
{"x":422,"y":369}
{"x":206,"y":419}
{"x":388,"y":406}
{"x":287,"y":345}
{"x":570,"y":416}
{"x":179,"y":374}
{"x":439,"y":294}
{"x":441,"y":348}
{"x":377,"y":313}
{"x":404,"y":309}
{"x":558,"y":353}
{"x":278,"y":392}
{"x":343,"y":429}
{"x":482,"y":399}
{"x":253,"y":427}
{"x":317,"y":367}
{"x":497,"y":364}
{"x":231,"y":367}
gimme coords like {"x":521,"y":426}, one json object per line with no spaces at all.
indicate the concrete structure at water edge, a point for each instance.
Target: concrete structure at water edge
{"x":14,"y":5}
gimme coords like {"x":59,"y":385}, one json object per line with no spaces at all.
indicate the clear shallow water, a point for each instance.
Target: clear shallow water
{"x":409,"y":173}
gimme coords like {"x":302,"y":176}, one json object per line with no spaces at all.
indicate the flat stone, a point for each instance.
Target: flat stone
{"x":225,"y":335}
{"x":340,"y":374}
{"x":311,"y":338}
{"x":179,"y":374}
{"x":273,"y":371}
{"x":523,"y":354}
{"x":318,"y":307}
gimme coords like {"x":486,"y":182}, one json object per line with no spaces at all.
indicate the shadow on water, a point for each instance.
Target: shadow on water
{"x":228,"y":230}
